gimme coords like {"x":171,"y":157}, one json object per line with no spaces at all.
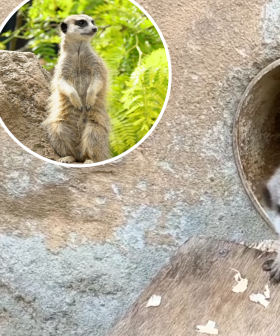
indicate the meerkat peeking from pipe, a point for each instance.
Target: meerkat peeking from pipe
{"x":78,"y":123}
{"x":271,"y":200}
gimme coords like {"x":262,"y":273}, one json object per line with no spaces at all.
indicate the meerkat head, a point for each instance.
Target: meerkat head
{"x":78,"y":27}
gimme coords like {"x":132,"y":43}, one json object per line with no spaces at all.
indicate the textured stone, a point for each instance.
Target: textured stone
{"x":78,"y":245}
{"x":24,"y":86}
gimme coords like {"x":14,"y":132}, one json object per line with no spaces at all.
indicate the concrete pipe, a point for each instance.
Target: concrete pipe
{"x":257,"y":133}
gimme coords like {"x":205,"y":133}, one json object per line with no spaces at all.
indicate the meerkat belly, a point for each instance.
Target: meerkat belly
{"x":81,"y":79}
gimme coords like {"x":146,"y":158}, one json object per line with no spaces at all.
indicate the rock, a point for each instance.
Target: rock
{"x":24,"y":86}
{"x":69,"y":233}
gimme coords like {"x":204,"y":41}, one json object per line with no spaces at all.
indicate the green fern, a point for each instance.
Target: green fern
{"x":142,"y":101}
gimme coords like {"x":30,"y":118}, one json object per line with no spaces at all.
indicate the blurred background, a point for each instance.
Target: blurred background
{"x":126,"y":40}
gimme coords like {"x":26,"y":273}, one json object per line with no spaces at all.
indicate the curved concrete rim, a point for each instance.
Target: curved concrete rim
{"x":236,"y":151}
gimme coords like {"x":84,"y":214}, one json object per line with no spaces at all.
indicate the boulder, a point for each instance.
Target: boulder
{"x":78,"y":245}
{"x":25,"y":87}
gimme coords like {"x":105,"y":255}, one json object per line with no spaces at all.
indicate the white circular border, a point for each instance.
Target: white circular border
{"x":130,"y":149}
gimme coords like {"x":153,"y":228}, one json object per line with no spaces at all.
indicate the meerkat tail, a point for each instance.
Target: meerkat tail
{"x":95,"y":142}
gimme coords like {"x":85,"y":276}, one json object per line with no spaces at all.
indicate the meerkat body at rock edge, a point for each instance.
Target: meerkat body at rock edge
{"x":78,"y":123}
{"x":271,"y":199}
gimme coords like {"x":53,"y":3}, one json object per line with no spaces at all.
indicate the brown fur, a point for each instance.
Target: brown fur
{"x":78,"y":123}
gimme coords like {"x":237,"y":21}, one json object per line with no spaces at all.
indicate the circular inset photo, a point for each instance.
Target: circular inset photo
{"x":83,"y":82}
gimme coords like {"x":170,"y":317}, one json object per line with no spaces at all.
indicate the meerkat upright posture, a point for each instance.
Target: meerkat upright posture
{"x":271,"y":198}
{"x":78,"y":122}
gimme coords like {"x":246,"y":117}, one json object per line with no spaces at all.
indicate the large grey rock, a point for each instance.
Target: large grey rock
{"x":78,"y":245}
{"x":24,"y":87}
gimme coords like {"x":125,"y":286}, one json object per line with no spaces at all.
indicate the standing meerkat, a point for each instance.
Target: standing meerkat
{"x":78,"y":123}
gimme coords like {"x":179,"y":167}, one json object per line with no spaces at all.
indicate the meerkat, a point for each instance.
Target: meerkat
{"x":271,"y":200}
{"x":78,"y":124}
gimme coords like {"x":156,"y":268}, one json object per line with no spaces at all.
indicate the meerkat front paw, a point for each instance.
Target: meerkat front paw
{"x":90,"y":100}
{"x":75,"y":100}
{"x":273,"y":267}
{"x":88,"y":162}
{"x":67,"y":159}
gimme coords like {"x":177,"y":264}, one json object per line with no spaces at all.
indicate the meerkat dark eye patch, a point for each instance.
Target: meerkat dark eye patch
{"x":81,"y":23}
{"x":92,"y":21}
{"x":63,"y":27}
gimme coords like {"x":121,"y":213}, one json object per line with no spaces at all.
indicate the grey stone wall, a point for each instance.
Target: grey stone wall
{"x":77,"y":246}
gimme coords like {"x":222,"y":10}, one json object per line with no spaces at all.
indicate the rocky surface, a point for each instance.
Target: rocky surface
{"x":24,"y":86}
{"x":77,"y":245}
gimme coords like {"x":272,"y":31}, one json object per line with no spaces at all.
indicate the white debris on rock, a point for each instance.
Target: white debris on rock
{"x":209,"y":328}
{"x":154,"y":301}
{"x":259,"y":298}
{"x":263,"y":299}
{"x":267,"y":292}
{"x":242,"y":283}
{"x":266,"y":246}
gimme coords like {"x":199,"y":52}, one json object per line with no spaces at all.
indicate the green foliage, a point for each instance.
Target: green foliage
{"x":2,"y":46}
{"x":129,"y":44}
{"x":140,"y":102}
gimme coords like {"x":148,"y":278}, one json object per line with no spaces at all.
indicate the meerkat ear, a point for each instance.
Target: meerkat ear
{"x":63,"y":27}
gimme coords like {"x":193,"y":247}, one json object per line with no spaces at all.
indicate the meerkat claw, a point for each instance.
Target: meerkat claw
{"x":67,"y":159}
{"x":274,"y":275}
{"x":267,"y":265}
{"x":273,"y":268}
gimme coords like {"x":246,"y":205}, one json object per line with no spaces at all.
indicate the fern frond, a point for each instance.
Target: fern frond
{"x":142,"y":99}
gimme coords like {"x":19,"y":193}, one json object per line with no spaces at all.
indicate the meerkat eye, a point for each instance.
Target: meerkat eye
{"x":92,"y":21}
{"x":81,"y":23}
